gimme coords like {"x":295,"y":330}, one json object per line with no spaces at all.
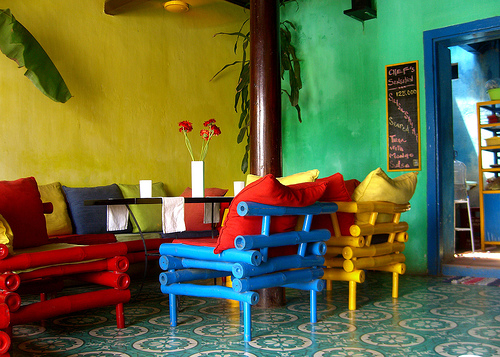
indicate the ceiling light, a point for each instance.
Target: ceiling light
{"x":176,"y":6}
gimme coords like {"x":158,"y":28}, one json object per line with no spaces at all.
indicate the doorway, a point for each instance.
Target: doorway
{"x":440,"y":149}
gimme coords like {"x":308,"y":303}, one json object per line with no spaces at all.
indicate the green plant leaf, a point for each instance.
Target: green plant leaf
{"x":244,"y":79}
{"x":223,"y":68}
{"x":242,"y":119}
{"x":17,"y":43}
{"x":241,"y":134}
{"x":289,"y":63}
{"x":244,"y":163}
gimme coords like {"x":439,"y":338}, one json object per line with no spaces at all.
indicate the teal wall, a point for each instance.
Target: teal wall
{"x":343,"y":100}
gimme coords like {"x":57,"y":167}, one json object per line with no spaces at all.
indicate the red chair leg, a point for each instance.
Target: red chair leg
{"x":120,"y":318}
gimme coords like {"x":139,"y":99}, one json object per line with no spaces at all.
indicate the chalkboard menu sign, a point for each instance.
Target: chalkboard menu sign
{"x":403,"y":116}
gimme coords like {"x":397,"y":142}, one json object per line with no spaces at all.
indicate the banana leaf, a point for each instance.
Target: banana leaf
{"x":19,"y":45}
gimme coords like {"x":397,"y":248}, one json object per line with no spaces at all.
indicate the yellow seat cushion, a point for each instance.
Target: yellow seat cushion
{"x":377,"y":186}
{"x":57,"y":222}
{"x":301,"y":177}
{"x":6,"y":235}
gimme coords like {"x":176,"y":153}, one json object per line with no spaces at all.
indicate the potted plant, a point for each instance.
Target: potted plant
{"x":289,"y":64}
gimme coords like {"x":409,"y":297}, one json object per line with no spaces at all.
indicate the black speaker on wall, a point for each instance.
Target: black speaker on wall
{"x":362,"y":10}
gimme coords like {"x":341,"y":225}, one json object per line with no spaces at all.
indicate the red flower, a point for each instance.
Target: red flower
{"x":215,"y":130}
{"x":185,"y":126}
{"x":205,"y":134}
{"x":208,"y":122}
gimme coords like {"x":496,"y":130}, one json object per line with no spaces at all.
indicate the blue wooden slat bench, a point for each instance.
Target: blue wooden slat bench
{"x":248,"y":263}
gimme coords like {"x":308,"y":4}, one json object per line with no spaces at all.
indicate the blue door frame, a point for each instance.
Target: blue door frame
{"x":440,"y":130}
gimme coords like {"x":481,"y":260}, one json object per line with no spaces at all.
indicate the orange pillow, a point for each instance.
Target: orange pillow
{"x":267,"y":190}
{"x":194,"y":212}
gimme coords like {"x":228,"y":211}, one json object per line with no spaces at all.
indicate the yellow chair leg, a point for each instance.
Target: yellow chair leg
{"x":329,"y":285}
{"x":352,"y":295}
{"x":395,"y":285}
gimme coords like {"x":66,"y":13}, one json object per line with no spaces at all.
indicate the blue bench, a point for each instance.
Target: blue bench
{"x":248,"y":263}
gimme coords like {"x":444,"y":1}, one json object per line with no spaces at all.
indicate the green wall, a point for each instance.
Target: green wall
{"x":133,"y":76}
{"x":343,"y":100}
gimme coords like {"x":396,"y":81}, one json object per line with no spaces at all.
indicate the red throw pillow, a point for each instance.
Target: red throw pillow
{"x":351,"y":185}
{"x":21,"y":206}
{"x":194,"y":212}
{"x":266,"y":190}
{"x":337,"y":190}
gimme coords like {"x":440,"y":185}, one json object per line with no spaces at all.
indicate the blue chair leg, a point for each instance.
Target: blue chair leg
{"x":172,"y":300}
{"x":314,"y":316}
{"x":247,"y":322}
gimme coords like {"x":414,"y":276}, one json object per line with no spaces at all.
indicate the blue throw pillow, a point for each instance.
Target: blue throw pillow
{"x":90,"y":219}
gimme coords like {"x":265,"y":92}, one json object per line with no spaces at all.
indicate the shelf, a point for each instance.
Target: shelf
{"x":491,"y":148}
{"x":490,"y":127}
{"x":489,"y":200}
{"x":491,"y":169}
{"x":490,"y":192}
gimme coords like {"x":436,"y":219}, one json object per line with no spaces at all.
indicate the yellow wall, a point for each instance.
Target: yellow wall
{"x":133,"y":77}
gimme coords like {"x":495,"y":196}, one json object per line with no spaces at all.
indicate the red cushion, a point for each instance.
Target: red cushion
{"x":194,"y":212}
{"x":266,"y":190}
{"x":87,"y":239}
{"x":337,"y":190}
{"x":351,"y":185}
{"x":21,"y":206}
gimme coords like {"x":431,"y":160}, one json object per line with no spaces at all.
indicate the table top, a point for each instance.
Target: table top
{"x":152,"y":200}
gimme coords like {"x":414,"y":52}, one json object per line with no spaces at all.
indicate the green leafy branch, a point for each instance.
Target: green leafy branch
{"x":289,"y":64}
{"x":18,"y":44}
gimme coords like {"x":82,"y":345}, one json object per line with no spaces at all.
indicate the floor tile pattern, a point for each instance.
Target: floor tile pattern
{"x":431,"y":318}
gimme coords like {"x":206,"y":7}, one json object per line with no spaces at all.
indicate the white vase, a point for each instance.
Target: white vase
{"x":198,"y":178}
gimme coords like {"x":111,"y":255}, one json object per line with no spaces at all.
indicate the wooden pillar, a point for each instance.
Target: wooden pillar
{"x":265,"y":88}
{"x":265,"y":106}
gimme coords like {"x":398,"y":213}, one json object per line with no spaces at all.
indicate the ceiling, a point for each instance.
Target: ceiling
{"x":114,"y":7}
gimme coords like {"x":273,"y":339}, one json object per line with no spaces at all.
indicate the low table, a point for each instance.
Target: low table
{"x":155,"y":200}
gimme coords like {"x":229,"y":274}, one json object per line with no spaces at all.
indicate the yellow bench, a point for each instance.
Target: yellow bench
{"x":376,"y":242}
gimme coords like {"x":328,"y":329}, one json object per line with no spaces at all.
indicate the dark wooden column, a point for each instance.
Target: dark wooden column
{"x":265,"y":88}
{"x":265,"y":106}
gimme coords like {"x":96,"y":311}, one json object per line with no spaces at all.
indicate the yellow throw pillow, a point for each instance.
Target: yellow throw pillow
{"x":6,"y":235}
{"x":301,"y":177}
{"x":58,"y":222}
{"x":377,"y":186}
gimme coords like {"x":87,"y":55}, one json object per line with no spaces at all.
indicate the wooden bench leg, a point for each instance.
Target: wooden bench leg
{"x":172,"y":301}
{"x":352,"y":295}
{"x":395,"y":285}
{"x":247,"y":322}
{"x":329,"y":285}
{"x":313,"y":303}
{"x":120,"y":318}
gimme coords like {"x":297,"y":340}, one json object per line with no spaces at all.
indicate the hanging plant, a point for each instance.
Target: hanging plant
{"x":19,"y":45}
{"x":289,"y":64}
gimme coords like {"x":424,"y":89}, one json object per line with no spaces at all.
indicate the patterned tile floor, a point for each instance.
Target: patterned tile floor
{"x":431,"y":318}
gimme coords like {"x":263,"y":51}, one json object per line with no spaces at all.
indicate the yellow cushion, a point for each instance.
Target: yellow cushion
{"x":377,"y":186}
{"x":6,"y":235}
{"x":307,"y":176}
{"x":58,"y":222}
